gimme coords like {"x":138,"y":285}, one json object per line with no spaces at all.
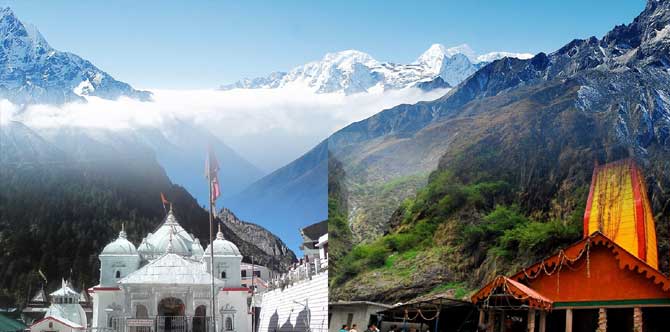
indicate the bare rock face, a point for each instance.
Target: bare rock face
{"x":271,"y":250}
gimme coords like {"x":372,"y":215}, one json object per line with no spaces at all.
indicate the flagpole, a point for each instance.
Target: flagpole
{"x":211,"y":241}
{"x":253,"y":292}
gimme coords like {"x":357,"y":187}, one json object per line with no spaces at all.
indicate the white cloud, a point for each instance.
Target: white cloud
{"x":284,"y":117}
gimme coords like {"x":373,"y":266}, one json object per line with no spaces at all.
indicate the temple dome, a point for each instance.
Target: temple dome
{"x":145,"y":247}
{"x":197,"y":249}
{"x":170,"y":233}
{"x":223,"y":247}
{"x":120,"y":246}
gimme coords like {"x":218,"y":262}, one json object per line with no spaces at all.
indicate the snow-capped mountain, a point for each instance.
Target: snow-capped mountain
{"x":31,"y":71}
{"x":353,"y":71}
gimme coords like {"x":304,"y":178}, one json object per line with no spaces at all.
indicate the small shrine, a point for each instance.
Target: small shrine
{"x":607,"y":281}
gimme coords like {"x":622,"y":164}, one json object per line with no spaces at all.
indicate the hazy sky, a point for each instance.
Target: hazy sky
{"x":202,"y":44}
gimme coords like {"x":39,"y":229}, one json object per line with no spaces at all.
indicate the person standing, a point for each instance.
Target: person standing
{"x":345,"y":328}
{"x":353,"y":328}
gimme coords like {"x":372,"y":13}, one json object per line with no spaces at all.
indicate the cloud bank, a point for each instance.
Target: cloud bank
{"x":269,"y":127}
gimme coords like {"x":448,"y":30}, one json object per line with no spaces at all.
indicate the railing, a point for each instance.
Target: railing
{"x":157,"y":324}
{"x":299,"y":272}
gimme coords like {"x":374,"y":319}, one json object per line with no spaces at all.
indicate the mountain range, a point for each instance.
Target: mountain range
{"x":299,"y":190}
{"x":33,"y":72}
{"x":352,"y":71}
{"x":59,"y":210}
{"x":521,"y":133}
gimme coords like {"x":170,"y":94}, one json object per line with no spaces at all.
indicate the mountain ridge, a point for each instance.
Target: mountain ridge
{"x":36,"y":73}
{"x":352,"y":71}
{"x":518,"y":139}
{"x":59,"y":210}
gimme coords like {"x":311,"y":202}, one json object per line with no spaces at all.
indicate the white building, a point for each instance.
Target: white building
{"x":165,"y":284}
{"x":65,"y":314}
{"x":298,"y":299}
{"x":361,"y":313}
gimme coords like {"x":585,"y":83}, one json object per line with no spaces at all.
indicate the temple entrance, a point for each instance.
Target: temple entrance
{"x":200,"y":319}
{"x":171,"y":315}
{"x":171,"y":306}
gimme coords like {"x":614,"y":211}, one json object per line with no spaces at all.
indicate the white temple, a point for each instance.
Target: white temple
{"x":165,"y":284}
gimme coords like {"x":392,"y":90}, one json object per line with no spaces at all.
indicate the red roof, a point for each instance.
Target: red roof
{"x":77,"y":327}
{"x":514,"y":289}
{"x":514,"y":285}
{"x":626,"y":260}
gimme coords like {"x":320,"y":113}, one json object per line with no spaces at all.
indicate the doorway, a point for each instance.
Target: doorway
{"x":171,"y":315}
{"x":200,"y":318}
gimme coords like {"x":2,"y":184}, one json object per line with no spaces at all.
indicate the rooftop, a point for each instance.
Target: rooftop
{"x":171,"y":269}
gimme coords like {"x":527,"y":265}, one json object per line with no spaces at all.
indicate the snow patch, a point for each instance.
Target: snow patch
{"x":587,"y":97}
{"x":85,"y":88}
{"x":489,"y":57}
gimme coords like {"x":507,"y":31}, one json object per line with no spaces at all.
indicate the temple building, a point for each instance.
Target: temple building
{"x":65,"y":314}
{"x":165,"y":284}
{"x":608,"y":281}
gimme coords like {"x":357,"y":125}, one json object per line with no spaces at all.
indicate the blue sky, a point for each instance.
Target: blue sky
{"x":201,"y":44}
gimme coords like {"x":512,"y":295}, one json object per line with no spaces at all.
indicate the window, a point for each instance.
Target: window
{"x":244,"y":273}
{"x":257,"y":274}
{"x":118,"y":274}
{"x":350,"y":319}
{"x":223,"y":274}
{"x":229,"y":324}
{"x":51,"y":325}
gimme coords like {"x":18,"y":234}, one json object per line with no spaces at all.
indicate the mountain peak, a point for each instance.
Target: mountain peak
{"x":348,"y":58}
{"x":352,"y":71}
{"x":26,"y":57}
{"x":6,"y":11}
{"x":436,"y":53}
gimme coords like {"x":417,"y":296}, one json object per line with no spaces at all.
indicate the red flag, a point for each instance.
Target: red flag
{"x":211,"y":172}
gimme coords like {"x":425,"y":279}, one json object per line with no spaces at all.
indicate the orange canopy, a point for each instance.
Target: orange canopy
{"x":502,"y":285}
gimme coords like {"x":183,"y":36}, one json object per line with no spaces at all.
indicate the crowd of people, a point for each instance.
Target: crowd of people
{"x":354,"y":328}
{"x":374,"y":328}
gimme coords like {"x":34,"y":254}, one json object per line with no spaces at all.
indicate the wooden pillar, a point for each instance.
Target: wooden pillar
{"x":531,"y":320}
{"x":482,"y":317}
{"x":492,"y":321}
{"x":543,"y":321}
{"x":502,"y":321}
{"x":602,"y":320}
{"x":568,"y":320}
{"x":637,"y":320}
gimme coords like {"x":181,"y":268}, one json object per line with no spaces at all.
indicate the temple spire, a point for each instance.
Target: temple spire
{"x":219,"y":235}
{"x":122,"y":233}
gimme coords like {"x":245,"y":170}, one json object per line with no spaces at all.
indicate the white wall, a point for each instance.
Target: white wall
{"x":109,"y":264}
{"x":229,"y":264}
{"x":290,"y":302}
{"x":43,"y":326}
{"x":361,"y":312}
{"x":238,"y":300}
{"x":103,"y":299}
